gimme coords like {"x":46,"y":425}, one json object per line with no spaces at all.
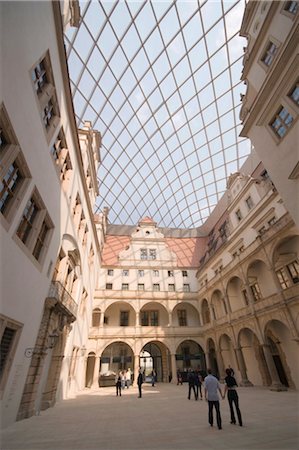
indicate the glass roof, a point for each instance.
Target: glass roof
{"x":161,"y":81}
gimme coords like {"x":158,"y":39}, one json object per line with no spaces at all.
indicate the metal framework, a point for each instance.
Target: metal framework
{"x":161,"y":82}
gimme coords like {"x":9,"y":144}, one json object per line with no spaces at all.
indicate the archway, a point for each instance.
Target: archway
{"x":155,"y":355}
{"x":228,"y":354}
{"x":116,"y":357}
{"x":205,"y":312}
{"x":235,"y":293}
{"x":90,"y":369}
{"x":190,"y":355}
{"x":283,"y":349}
{"x":253,"y":356}
{"x":212,"y":357}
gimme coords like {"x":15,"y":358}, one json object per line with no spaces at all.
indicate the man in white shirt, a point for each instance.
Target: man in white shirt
{"x":212,"y":385}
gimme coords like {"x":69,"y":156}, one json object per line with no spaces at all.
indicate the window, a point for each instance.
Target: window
{"x":143,"y":253}
{"x":155,"y":273}
{"x":249,"y":202}
{"x":61,"y":155}
{"x":124,"y":287}
{"x":125,"y":273}
{"x":96,"y":316}
{"x":238,"y":215}
{"x":291,"y":7}
{"x":109,"y":286}
{"x":170,"y":273}
{"x":124,"y":318}
{"x":152,"y":253}
{"x":294,"y":94}
{"x":256,"y":292}
{"x":293,"y":269}
{"x":272,"y":221}
{"x":44,"y":86}
{"x":283,"y":278}
{"x":269,"y":54}
{"x":186,"y":287}
{"x":10,"y":331}
{"x":171,"y":288}
{"x":140,"y":287}
{"x":149,"y":318}
{"x":182,"y":317}
{"x":141,"y":273}
{"x":184,"y":273}
{"x":282,"y":121}
{"x":156,"y":287}
{"x":34,"y":227}
{"x":110,"y":272}
{"x":15,"y":174}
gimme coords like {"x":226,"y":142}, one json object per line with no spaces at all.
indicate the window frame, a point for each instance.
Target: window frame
{"x":156,"y":287}
{"x":6,"y":322}
{"x":31,"y":237}
{"x":186,"y":287}
{"x":182,"y":317}
{"x":124,"y":316}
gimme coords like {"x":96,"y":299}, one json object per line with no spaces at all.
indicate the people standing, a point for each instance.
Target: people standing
{"x":153,"y":377}
{"x":212,"y":385}
{"x":198,"y":383}
{"x":123,"y":379}
{"x":128,"y":378}
{"x":179,"y":377}
{"x":139,"y":383}
{"x":118,"y":384}
{"x":232,"y":396}
{"x":191,"y":384}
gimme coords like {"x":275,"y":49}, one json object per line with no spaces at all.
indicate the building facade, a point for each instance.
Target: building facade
{"x":49,"y":243}
{"x":82,"y":298}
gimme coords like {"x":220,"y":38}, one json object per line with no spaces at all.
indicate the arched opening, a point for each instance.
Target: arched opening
{"x":283,"y":350}
{"x":90,"y":369}
{"x":219,"y":304}
{"x":260,"y":280}
{"x":228,"y":354}
{"x":117,"y":357}
{"x":190,"y":355}
{"x":155,"y":356}
{"x":286,"y":262}
{"x":253,"y":357}
{"x":236,"y":294}
{"x":212,"y":358}
{"x":185,"y":315}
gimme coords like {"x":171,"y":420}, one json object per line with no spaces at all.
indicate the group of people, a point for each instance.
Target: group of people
{"x":195,"y":381}
{"x":122,"y":380}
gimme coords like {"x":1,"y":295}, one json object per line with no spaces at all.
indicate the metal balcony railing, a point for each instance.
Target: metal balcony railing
{"x":58,"y":292}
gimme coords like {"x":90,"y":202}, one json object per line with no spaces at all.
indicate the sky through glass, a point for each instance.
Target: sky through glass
{"x":161,"y":81}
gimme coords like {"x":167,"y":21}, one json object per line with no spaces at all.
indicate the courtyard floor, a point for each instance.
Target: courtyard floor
{"x":163,"y":419}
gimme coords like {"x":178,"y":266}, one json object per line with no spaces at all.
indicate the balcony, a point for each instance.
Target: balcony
{"x":149,"y":332}
{"x":114,"y":294}
{"x":58,"y":295}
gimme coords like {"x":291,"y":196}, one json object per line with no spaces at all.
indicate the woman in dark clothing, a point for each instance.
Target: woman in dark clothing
{"x":232,"y":396}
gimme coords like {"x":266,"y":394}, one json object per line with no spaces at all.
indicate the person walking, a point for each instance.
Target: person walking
{"x":191,"y":383}
{"x":232,"y":396}
{"x":179,"y":377}
{"x":212,"y":385}
{"x":139,"y":383}
{"x":118,"y":384}
{"x":198,"y":384}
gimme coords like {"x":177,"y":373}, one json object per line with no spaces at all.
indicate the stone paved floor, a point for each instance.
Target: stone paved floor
{"x":163,"y":419}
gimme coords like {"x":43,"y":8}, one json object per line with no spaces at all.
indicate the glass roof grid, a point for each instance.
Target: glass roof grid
{"x":178,"y":116}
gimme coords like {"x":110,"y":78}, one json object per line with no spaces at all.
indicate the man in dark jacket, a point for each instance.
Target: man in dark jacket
{"x":191,"y":382}
{"x":139,"y":383}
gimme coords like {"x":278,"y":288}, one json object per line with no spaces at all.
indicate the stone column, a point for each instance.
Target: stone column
{"x":136,"y":369}
{"x":95,"y":381}
{"x":170,"y":319}
{"x":137,"y":319}
{"x":102,"y":319}
{"x":276,"y":383}
{"x":242,"y":367}
{"x":173,"y":368}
